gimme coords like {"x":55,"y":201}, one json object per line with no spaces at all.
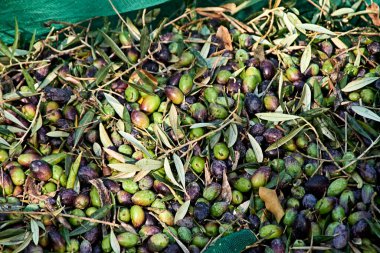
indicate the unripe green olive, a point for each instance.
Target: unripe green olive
{"x":197,"y":163}
{"x":150,"y":103}
{"x":186,"y":83}
{"x":221,"y":151}
{"x":131,"y":94}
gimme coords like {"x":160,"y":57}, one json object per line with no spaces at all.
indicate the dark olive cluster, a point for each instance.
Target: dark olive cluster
{"x":160,"y":143}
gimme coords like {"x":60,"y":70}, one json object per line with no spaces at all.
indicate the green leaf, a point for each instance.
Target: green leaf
{"x":342,"y":11}
{"x":232,"y":135}
{"x":16,"y":38}
{"x":201,"y":61}
{"x":149,"y":164}
{"x":24,"y":243}
{"x":314,"y":28}
{"x":135,"y":143}
{"x":359,"y":83}
{"x":5,"y":50}
{"x":73,"y":172}
{"x":32,"y":40}
{"x":144,"y":41}
{"x":169,"y":173}
{"x":217,"y":61}
{"x":54,"y":159}
{"x":305,"y":59}
{"x":375,"y":227}
{"x":12,"y":118}
{"x":29,"y":80}
{"x":206,"y":124}
{"x":124,"y":167}
{"x":87,"y":225}
{"x":57,"y":134}
{"x":256,"y":148}
{"x":181,"y":212}
{"x":35,"y":231}
{"x":114,"y":243}
{"x":115,"y":48}
{"x":49,"y":78}
{"x":206,"y":47}
{"x":102,"y":74}
{"x":4,"y":142}
{"x":5,"y":233}
{"x":162,"y":136}
{"x":275,"y":117}
{"x":173,"y":118}
{"x":305,"y":100}
{"x":83,"y":123}
{"x":127,"y":121}
{"x":132,"y":29}
{"x":357,"y":127}
{"x":180,"y":170}
{"x":119,"y":108}
{"x":366,"y":113}
{"x":104,"y":138}
{"x":285,"y":139}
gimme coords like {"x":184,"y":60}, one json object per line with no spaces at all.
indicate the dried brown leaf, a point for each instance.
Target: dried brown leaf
{"x":374,"y":16}
{"x":226,"y":189}
{"x":272,"y":202}
{"x":225,"y":36}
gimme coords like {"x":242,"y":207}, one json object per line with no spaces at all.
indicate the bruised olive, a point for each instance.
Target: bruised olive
{"x":293,"y":74}
{"x":198,"y":112}
{"x":272,"y":135}
{"x":58,"y":243}
{"x":68,"y":197}
{"x":40,"y":170}
{"x":317,"y":185}
{"x":267,"y":69}
{"x":271,"y":102}
{"x":253,"y":104}
{"x":260,"y":177}
{"x":374,"y":48}
{"x":201,"y":211}
{"x":217,"y":168}
{"x":217,"y":111}
{"x":193,"y":190}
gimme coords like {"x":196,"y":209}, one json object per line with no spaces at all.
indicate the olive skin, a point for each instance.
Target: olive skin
{"x":40,"y":170}
{"x":174,"y":94}
{"x":140,"y":119}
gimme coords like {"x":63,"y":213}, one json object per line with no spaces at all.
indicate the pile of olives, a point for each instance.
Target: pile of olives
{"x":162,"y":143}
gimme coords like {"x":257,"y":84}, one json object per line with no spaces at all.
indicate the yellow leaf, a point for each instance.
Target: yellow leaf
{"x":271,"y":202}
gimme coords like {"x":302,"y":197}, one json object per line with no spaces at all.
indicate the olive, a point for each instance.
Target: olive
{"x":198,"y":112}
{"x":267,"y":69}
{"x":150,"y":103}
{"x":186,"y":59}
{"x":124,"y":198}
{"x":127,"y":239}
{"x":221,"y":151}
{"x":174,"y":94}
{"x":40,"y":170}
{"x":317,"y":185}
{"x":271,"y":102}
{"x":253,"y":104}
{"x":140,"y":119}
{"x":185,"y":83}
{"x":223,"y":76}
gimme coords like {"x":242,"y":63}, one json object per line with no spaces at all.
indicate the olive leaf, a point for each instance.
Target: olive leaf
{"x":4,"y":142}
{"x":149,"y":164}
{"x":305,"y":59}
{"x":180,"y":170}
{"x":87,"y":225}
{"x":73,"y":172}
{"x":104,"y":138}
{"x":83,"y":123}
{"x":223,"y":34}
{"x":114,"y":154}
{"x":57,"y":134}
{"x":119,"y":108}
{"x":275,"y":117}
{"x":359,"y":83}
{"x":144,"y":41}
{"x":49,"y":78}
{"x":125,"y":167}
{"x":102,"y":74}
{"x":339,"y":43}
{"x":256,"y":148}
{"x":135,"y":143}
{"x":226,"y":193}
{"x":206,"y":47}
{"x":132,"y":29}
{"x":173,"y":118}
{"x":342,"y":11}
{"x":97,"y":149}
{"x":242,"y":208}
{"x":181,"y":212}
{"x":37,"y":124}
{"x":232,"y":135}
{"x":285,"y":139}
{"x":161,"y":134}
{"x":35,"y":231}
{"x":115,"y":48}
{"x":12,"y":118}
{"x":366,"y":113}
{"x":29,"y":80}
{"x":314,"y":28}
{"x":54,"y":159}
{"x":169,"y":173}
{"x":25,"y":242}
{"x":114,"y":243}
{"x":272,"y":203}
{"x":205,"y":124}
